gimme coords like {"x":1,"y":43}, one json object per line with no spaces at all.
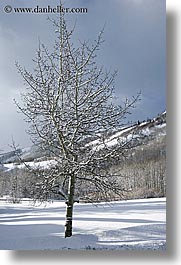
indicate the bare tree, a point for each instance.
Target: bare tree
{"x":70,"y":107}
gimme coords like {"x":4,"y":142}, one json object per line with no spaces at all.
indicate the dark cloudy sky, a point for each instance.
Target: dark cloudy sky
{"x":135,"y":45}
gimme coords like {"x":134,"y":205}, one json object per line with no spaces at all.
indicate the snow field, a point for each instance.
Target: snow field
{"x":134,"y":224}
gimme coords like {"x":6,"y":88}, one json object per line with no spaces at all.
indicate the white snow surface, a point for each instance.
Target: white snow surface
{"x":41,"y":164}
{"x":122,"y":225}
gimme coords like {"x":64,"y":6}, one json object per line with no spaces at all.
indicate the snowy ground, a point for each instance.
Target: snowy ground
{"x":135,"y":224}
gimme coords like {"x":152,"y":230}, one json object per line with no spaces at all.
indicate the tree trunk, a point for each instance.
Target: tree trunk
{"x":69,"y":210}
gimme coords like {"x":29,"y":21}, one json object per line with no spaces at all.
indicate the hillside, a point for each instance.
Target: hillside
{"x":141,"y":173}
{"x":152,"y":129}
